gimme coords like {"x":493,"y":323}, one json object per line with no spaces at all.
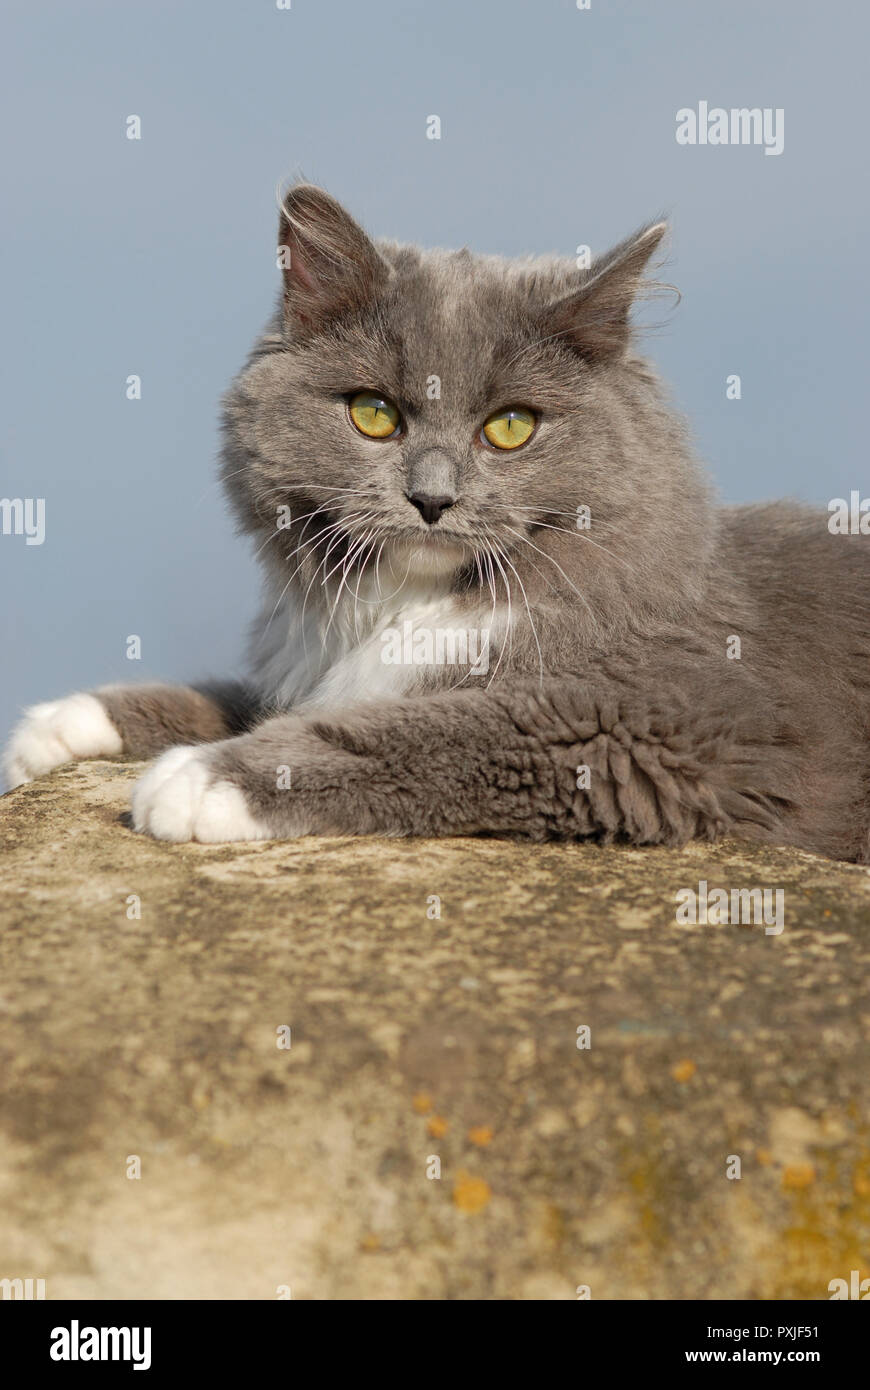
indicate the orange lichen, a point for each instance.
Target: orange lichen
{"x":797,"y":1175}
{"x":437,"y":1126}
{"x":481,"y":1135}
{"x":684,"y":1071}
{"x":471,"y":1194}
{"x":422,"y":1103}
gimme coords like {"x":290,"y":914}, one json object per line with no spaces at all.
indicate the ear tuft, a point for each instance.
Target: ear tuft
{"x":595,"y":319}
{"x":330,"y":267}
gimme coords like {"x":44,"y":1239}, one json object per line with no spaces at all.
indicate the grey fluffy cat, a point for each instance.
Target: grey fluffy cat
{"x":499,"y":598}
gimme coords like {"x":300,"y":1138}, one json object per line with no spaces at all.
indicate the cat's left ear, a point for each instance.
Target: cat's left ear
{"x":595,"y":318}
{"x":330,"y":267}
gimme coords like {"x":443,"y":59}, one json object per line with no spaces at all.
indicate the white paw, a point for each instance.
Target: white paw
{"x":57,"y":732}
{"x":177,"y":799}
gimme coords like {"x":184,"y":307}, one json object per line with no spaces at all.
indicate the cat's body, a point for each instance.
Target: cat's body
{"x":558,"y":638}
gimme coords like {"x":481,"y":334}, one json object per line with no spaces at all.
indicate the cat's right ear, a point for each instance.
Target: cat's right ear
{"x":330,"y":267}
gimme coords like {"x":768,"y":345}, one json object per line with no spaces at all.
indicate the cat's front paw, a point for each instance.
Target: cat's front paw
{"x":59,"y":732}
{"x":181,"y":798}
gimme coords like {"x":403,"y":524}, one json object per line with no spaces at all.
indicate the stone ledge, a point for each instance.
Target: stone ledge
{"x":413,"y":1037}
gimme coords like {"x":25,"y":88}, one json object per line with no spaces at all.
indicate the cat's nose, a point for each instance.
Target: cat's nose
{"x":430,"y":508}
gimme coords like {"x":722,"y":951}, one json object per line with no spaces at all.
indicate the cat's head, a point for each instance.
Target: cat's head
{"x":419,"y":409}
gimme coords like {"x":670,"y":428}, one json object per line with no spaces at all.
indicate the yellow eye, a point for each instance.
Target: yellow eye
{"x":510,"y":428}
{"x":374,"y":415}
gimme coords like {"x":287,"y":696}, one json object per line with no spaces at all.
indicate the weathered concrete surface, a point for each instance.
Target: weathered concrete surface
{"x":411,"y":1037}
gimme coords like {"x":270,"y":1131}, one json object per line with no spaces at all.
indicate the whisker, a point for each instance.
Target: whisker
{"x":584,"y":601}
{"x":529,"y":611}
{"x":345,"y":567}
{"x":336,"y":527}
{"x":584,"y":536}
{"x":495,"y":555}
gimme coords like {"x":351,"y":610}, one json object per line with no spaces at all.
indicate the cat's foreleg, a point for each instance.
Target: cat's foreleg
{"x":140,"y":720}
{"x":565,"y":760}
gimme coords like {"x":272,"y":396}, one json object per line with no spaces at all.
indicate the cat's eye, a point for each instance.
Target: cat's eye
{"x":374,"y":415}
{"x":508,"y":429}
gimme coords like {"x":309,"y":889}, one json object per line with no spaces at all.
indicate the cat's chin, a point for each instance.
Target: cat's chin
{"x":430,"y":556}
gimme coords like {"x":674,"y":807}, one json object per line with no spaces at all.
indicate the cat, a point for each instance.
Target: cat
{"x":499,"y":596}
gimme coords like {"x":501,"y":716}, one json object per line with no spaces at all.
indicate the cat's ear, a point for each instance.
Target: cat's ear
{"x":330,"y":267}
{"x":595,"y":318}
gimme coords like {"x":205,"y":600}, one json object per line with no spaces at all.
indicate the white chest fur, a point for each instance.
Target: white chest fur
{"x":369,"y":646}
